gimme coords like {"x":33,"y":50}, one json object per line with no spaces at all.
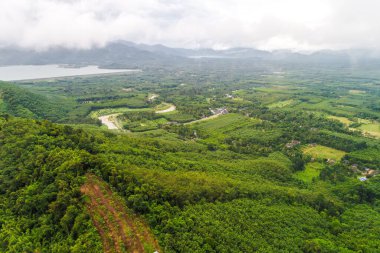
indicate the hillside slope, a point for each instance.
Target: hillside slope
{"x":120,"y":230}
{"x":189,"y":196}
{"x":24,"y":103}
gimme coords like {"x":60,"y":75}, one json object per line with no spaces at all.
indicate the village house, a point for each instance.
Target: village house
{"x":370,"y":173}
{"x":292,"y":144}
{"x":331,"y":161}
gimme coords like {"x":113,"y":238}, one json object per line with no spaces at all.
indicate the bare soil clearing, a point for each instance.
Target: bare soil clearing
{"x":119,"y":228}
{"x":108,"y":120}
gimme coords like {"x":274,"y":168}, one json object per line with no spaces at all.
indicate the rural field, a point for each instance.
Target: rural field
{"x":322,"y":152}
{"x":312,"y":171}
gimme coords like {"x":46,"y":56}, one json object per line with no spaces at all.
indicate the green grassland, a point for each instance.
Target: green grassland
{"x":144,"y":125}
{"x":180,"y":117}
{"x":322,"y":152}
{"x":281,"y":104}
{"x":312,"y":171}
{"x":356,"y":92}
{"x":225,"y":123}
{"x":216,"y":130}
{"x":372,"y":129}
{"x":343,"y":120}
{"x":368,"y":127}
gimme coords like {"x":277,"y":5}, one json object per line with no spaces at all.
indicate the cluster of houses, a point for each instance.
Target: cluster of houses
{"x":292,"y":144}
{"x":368,"y":173}
{"x":365,"y":172}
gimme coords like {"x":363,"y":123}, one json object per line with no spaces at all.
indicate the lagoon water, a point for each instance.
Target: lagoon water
{"x":29,"y":72}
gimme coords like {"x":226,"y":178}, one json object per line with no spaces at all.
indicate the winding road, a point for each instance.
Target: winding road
{"x":111,"y":122}
{"x":170,"y":109}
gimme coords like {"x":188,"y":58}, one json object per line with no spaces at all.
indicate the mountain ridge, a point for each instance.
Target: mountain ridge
{"x":121,"y":54}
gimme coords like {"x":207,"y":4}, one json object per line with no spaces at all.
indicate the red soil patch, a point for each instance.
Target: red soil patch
{"x":120,"y":230}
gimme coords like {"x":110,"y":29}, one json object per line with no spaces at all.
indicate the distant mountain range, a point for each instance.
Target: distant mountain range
{"x":123,"y":54}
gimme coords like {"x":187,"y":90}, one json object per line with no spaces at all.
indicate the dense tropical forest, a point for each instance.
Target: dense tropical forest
{"x":213,"y":156}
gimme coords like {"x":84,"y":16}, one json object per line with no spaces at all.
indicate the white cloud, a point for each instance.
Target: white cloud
{"x":268,"y":24}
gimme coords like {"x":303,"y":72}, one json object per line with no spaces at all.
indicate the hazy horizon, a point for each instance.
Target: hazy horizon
{"x":268,"y":25}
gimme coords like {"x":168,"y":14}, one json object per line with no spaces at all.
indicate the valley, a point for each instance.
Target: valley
{"x":205,"y":157}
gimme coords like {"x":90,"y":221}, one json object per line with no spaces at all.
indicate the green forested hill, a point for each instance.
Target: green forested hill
{"x":23,"y":103}
{"x":193,"y":198}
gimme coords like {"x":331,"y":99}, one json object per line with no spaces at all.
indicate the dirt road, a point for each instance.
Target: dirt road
{"x":109,"y":121}
{"x":170,"y":109}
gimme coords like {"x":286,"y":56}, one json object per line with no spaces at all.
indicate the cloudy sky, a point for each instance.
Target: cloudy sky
{"x":265,"y":24}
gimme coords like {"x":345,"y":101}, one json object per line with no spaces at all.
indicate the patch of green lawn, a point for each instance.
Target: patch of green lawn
{"x":311,"y":171}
